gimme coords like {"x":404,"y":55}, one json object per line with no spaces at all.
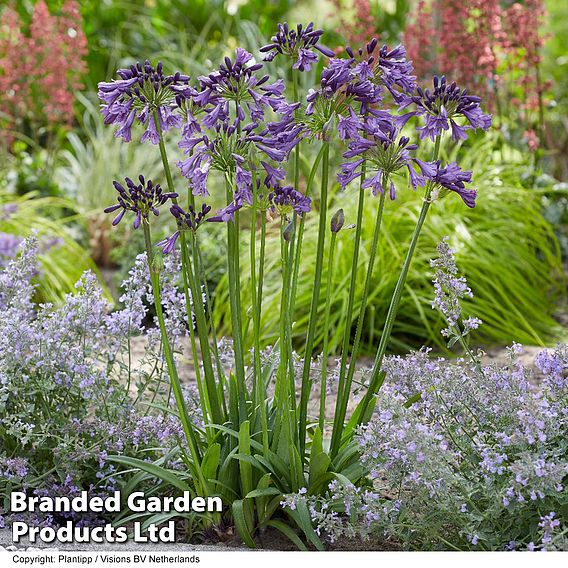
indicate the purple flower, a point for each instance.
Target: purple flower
{"x":384,"y":153}
{"x":168,"y":245}
{"x":344,"y":93}
{"x":286,"y":199}
{"x":454,"y":179}
{"x":396,"y":70}
{"x":435,"y":123}
{"x":186,"y":221}
{"x":348,"y":126}
{"x":297,"y":44}
{"x":9,"y":245}
{"x":305,"y":60}
{"x":141,"y":198}
{"x":375,"y":182}
{"x":227,"y":213}
{"x":441,"y":106}
{"x":388,"y":68}
{"x":141,"y":91}
{"x":273,"y":175}
{"x":243,"y":181}
{"x":234,"y":148}
{"x":237,"y":82}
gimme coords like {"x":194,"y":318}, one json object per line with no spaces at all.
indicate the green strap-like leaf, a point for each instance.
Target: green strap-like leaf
{"x":288,"y":532}
{"x":241,"y":524}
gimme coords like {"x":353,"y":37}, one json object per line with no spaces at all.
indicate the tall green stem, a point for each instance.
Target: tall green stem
{"x":201,"y":321}
{"x":325,"y":352}
{"x":259,"y":394}
{"x":285,"y":390}
{"x":341,"y":405}
{"x":306,"y":381}
{"x":168,"y":355}
{"x":300,"y":237}
{"x":395,"y":300}
{"x":234,"y":300}
{"x":216,"y":413}
{"x":352,"y":289}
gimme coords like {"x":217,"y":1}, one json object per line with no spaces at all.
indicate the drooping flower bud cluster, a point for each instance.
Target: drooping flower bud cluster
{"x":143,"y":93}
{"x":188,"y":220}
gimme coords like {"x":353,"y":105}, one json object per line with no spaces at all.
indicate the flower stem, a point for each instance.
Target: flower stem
{"x":341,"y":410}
{"x":395,"y":300}
{"x":325,"y":352}
{"x":285,"y":394}
{"x":306,"y":381}
{"x":352,"y":289}
{"x":294,"y":241}
{"x":168,"y":355}
{"x":258,"y":383}
{"x":201,"y":324}
{"x":300,"y":238}
{"x":216,"y":413}
{"x":234,"y":300}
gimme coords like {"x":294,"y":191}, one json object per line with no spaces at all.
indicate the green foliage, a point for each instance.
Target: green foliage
{"x":62,"y":258}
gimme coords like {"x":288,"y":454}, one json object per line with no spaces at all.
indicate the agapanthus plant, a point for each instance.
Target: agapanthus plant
{"x":257,"y":441}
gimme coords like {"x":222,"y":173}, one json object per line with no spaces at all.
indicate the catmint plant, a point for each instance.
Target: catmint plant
{"x":70,"y":386}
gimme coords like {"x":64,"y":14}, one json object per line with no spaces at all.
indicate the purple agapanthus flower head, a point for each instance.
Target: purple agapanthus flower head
{"x":236,"y":87}
{"x":286,"y":199}
{"x":143,"y":93}
{"x":234,"y":151}
{"x":189,"y":220}
{"x":141,"y":198}
{"x":299,"y":44}
{"x":384,"y":151}
{"x":385,"y":67}
{"x":452,"y":178}
{"x":345,"y":95}
{"x":442,"y":106}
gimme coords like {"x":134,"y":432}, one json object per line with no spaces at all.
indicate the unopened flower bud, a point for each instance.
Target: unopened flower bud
{"x":337,"y":221}
{"x":158,"y":263}
{"x":288,"y":231}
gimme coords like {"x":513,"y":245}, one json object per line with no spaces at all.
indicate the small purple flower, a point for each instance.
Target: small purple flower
{"x":233,"y":151}
{"x":297,"y":44}
{"x":342,"y":90}
{"x":348,"y":126}
{"x":141,"y":198}
{"x":273,"y":175}
{"x":384,"y":152}
{"x":453,"y":178}
{"x":237,"y":82}
{"x":227,"y":213}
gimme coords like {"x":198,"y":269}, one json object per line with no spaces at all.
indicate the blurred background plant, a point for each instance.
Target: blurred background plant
{"x":54,"y":146}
